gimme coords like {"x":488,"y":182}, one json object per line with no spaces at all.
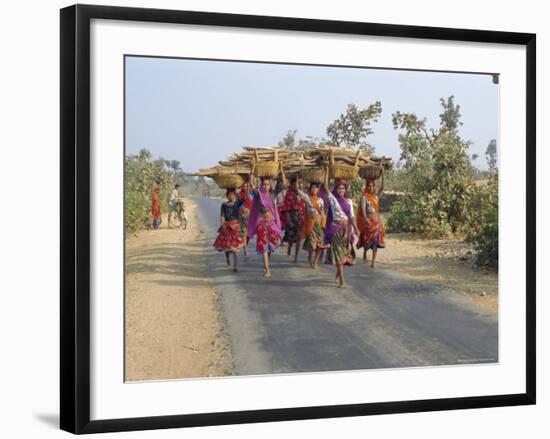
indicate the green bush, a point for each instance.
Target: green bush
{"x":141,"y":171}
{"x":485,"y":237}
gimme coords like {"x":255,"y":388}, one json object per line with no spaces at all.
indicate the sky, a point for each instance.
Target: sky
{"x":200,"y":112}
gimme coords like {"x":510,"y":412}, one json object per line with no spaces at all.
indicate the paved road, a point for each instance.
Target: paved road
{"x":299,"y":321}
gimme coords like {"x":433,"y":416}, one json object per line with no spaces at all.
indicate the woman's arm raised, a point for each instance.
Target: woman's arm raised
{"x":251,"y":176}
{"x":283,"y":177}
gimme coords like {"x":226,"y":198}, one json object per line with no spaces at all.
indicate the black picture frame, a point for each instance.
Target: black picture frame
{"x":75,"y":217}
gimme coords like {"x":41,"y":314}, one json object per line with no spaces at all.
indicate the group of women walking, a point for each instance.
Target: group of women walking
{"x":320,"y":221}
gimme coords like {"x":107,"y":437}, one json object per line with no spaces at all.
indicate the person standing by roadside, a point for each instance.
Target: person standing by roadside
{"x":173,"y":204}
{"x":155,"y":205}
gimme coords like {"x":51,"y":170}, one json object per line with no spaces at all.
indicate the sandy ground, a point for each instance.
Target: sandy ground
{"x":449,"y":263}
{"x":173,"y":328}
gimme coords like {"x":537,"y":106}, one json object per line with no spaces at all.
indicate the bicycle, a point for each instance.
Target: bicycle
{"x":180,"y":218}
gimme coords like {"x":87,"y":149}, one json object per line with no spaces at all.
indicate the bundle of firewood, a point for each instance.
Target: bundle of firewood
{"x":343,"y":162}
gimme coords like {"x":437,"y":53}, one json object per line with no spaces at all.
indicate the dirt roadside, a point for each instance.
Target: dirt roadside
{"x":173,"y":327}
{"x":444,"y":262}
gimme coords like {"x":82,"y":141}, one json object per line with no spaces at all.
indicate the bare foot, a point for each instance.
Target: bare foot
{"x":267,"y":274}
{"x":342,"y":285}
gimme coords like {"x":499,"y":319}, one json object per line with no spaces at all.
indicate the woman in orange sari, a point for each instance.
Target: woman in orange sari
{"x":314,"y":224}
{"x":155,"y":205}
{"x":369,"y":221}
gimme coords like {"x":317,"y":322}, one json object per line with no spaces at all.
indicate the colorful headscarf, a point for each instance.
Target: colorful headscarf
{"x":262,"y":202}
{"x":340,"y":182}
{"x":346,"y":208}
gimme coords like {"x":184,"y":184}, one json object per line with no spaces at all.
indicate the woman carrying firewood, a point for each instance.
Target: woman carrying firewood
{"x":244,"y":211}
{"x":369,"y":221}
{"x":229,"y":239}
{"x":294,"y":212}
{"x":264,"y":221}
{"x":340,"y":221}
{"x":314,"y":224}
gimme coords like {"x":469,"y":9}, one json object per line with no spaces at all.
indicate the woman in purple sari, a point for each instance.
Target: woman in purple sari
{"x":264,"y":221}
{"x":340,"y":221}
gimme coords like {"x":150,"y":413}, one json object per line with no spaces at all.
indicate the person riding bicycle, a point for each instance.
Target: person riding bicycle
{"x":173,"y":201}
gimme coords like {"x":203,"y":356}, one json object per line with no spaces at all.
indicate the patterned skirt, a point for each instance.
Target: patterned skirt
{"x":267,"y":239}
{"x":243,"y":223}
{"x":315,"y":239}
{"x":229,"y":237}
{"x":372,"y":236}
{"x":294,"y":226}
{"x":341,"y":251}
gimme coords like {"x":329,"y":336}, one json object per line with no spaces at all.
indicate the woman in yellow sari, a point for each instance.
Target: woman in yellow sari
{"x":369,"y":220}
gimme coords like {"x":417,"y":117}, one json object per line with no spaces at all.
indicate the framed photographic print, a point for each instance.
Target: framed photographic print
{"x":274,"y":218}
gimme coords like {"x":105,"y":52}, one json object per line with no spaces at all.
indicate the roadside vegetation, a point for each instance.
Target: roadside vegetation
{"x":441,"y":193}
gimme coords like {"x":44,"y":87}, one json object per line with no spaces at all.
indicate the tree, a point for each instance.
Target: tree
{"x":491,"y":155}
{"x":309,"y":142}
{"x":354,"y":126}
{"x":438,"y":172}
{"x":450,"y":117}
{"x":289,"y":140}
{"x":145,"y":154}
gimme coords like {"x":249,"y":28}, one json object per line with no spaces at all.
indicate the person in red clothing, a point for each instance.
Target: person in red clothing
{"x":294,"y":212}
{"x":229,"y":239}
{"x":155,"y":205}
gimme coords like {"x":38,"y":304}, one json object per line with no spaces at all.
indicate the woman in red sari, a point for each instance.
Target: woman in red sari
{"x":293,"y":212}
{"x":155,"y":205}
{"x":369,"y":220}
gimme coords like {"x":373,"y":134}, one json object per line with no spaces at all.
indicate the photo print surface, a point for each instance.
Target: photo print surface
{"x":290,"y":218}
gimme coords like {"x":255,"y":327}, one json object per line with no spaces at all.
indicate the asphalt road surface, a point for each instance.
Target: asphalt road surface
{"x":299,"y":321}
